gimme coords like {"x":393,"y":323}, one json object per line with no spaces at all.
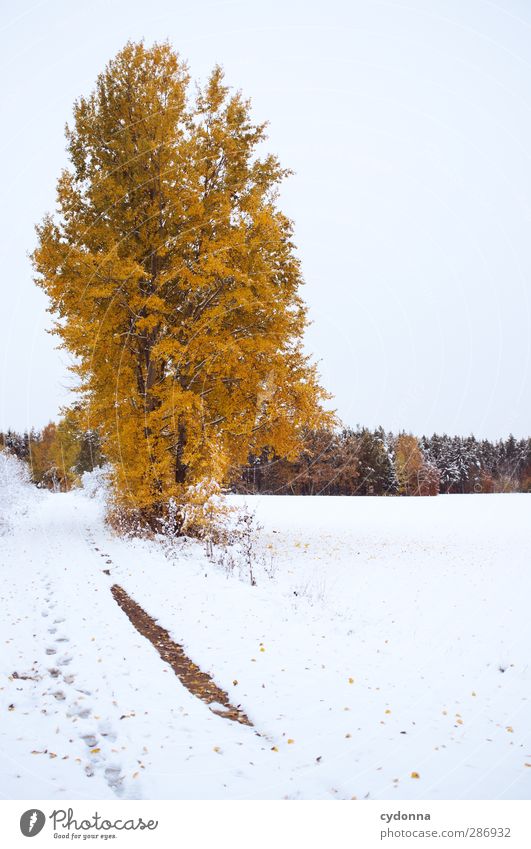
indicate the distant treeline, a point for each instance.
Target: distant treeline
{"x":373,"y":462}
{"x":342,"y":462}
{"x":58,"y":454}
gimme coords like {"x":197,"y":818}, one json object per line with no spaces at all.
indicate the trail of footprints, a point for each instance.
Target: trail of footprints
{"x":97,"y":735}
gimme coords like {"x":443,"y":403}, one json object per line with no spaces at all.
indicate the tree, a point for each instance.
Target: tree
{"x":51,"y":458}
{"x":415,"y":474}
{"x":408,"y":463}
{"x":16,"y":443}
{"x":346,"y":472}
{"x":375,"y":466}
{"x":89,"y":454}
{"x":173,"y":279}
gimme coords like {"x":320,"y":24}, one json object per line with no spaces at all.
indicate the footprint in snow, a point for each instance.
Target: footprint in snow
{"x":114,"y":778}
{"x":78,"y":710}
{"x":106,"y":730}
{"x":51,"y":651}
{"x":64,"y":661}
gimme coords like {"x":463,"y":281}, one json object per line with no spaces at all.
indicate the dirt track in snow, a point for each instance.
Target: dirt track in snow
{"x":197,"y":682}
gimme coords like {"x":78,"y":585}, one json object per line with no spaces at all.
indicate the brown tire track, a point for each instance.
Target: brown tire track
{"x":199,"y":683}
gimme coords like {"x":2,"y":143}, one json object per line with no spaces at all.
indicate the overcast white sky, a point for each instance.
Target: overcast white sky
{"x":409,"y":127}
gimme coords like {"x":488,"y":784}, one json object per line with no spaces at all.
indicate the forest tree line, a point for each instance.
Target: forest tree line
{"x":57,"y":455}
{"x":373,"y":462}
{"x":345,"y":461}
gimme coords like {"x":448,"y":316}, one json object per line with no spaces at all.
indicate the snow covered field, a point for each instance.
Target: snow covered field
{"x":390,"y":639}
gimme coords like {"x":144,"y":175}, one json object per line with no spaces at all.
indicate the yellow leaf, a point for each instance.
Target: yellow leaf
{"x":95,"y":751}
{"x":510,"y":729}
{"x":415,"y":775}
{"x":274,"y":749}
{"x":351,"y":680}
{"x":290,"y":741}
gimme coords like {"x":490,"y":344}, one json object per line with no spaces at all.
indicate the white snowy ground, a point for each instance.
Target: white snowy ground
{"x":393,"y":639}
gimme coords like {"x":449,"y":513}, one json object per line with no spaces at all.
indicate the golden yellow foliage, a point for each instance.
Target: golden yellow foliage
{"x":53,"y":454}
{"x":174,"y":282}
{"x":408,"y":463}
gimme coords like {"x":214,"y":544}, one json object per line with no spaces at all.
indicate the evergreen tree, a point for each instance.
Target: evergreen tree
{"x":376,"y":470}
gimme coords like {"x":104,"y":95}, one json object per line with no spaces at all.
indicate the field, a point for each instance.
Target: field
{"x":383,"y":653}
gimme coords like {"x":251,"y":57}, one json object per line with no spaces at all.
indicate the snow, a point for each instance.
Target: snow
{"x":382,"y":616}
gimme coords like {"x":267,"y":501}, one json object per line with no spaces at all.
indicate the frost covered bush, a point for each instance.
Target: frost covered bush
{"x":246,"y":533}
{"x":243,"y":549}
{"x":16,"y":491}
{"x":203,"y":514}
{"x":96,"y":483}
{"x":206,"y":515}
{"x":14,"y":480}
